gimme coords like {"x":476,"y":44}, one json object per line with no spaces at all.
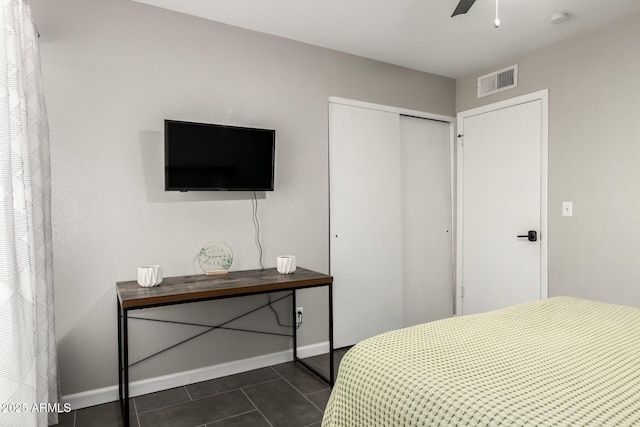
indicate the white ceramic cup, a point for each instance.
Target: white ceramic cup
{"x":149,"y":275}
{"x":286,"y":264}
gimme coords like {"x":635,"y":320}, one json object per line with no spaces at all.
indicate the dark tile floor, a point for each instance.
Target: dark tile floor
{"x":285,"y":395}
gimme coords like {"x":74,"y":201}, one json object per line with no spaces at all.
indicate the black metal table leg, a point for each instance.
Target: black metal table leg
{"x":125,"y":366}
{"x":119,"y":354}
{"x":331,"y":367}
{"x":329,"y":379}
{"x":295,"y":325}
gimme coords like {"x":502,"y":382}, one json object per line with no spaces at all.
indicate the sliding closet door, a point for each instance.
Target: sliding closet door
{"x":426,"y":220}
{"x":365,"y":222}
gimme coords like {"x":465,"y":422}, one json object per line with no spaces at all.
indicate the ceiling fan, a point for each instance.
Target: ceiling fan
{"x":463,"y":7}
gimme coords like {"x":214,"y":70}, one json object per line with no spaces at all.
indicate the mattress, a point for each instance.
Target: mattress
{"x":558,"y":362}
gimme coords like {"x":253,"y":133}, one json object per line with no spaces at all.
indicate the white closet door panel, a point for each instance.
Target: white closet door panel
{"x":426,"y":220}
{"x":364,"y":159}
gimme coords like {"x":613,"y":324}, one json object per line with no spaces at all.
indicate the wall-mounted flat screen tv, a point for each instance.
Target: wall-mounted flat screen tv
{"x":212,"y":157}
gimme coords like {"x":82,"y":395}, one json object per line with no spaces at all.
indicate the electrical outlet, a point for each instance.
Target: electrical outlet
{"x":299,"y":315}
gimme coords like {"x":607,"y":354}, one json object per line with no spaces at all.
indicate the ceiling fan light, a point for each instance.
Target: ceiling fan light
{"x":559,"y":18}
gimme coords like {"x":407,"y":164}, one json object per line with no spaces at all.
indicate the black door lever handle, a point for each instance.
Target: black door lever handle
{"x":532,"y":236}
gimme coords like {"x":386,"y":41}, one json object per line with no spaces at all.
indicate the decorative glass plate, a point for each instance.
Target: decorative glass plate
{"x":215,"y":258}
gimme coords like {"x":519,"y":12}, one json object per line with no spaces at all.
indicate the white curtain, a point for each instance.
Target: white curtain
{"x":28,"y":362}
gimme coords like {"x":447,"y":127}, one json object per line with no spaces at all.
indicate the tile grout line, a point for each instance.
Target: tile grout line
{"x":188,"y":394}
{"x":217,"y":393}
{"x":319,"y":391}
{"x":256,"y":406}
{"x":135,"y":408}
{"x":174,"y":404}
{"x":229,"y":417}
{"x":164,"y":407}
{"x":301,"y":393}
{"x":335,"y":365}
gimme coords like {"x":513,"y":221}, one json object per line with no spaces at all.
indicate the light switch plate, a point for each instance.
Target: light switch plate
{"x":567,"y":208}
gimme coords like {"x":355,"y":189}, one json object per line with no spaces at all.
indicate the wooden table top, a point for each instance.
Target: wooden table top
{"x":184,"y":289}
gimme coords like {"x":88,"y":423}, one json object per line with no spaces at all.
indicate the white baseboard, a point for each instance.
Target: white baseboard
{"x":150,"y":385}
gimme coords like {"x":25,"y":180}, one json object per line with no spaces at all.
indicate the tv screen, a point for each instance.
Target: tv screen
{"x":211,"y":157}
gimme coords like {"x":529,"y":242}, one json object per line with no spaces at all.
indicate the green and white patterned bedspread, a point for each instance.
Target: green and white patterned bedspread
{"x":558,"y":362}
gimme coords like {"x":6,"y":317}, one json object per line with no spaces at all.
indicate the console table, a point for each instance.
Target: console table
{"x":187,"y":289}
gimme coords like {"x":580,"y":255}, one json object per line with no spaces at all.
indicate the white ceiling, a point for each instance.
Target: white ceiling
{"x":418,"y":34}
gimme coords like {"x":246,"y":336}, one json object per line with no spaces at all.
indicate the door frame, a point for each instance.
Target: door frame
{"x":452,"y":162}
{"x":543,"y":96}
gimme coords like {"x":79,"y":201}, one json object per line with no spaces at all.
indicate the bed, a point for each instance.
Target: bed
{"x":557,"y":362}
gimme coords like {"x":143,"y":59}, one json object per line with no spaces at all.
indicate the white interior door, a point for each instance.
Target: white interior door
{"x":502,"y":195}
{"x":426,"y":219}
{"x":365,"y":222}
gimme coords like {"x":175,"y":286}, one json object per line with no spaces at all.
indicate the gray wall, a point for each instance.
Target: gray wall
{"x":113,"y":70}
{"x":594,"y":157}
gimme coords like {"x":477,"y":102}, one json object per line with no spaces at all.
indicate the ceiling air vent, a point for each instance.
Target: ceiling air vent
{"x":498,"y":81}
